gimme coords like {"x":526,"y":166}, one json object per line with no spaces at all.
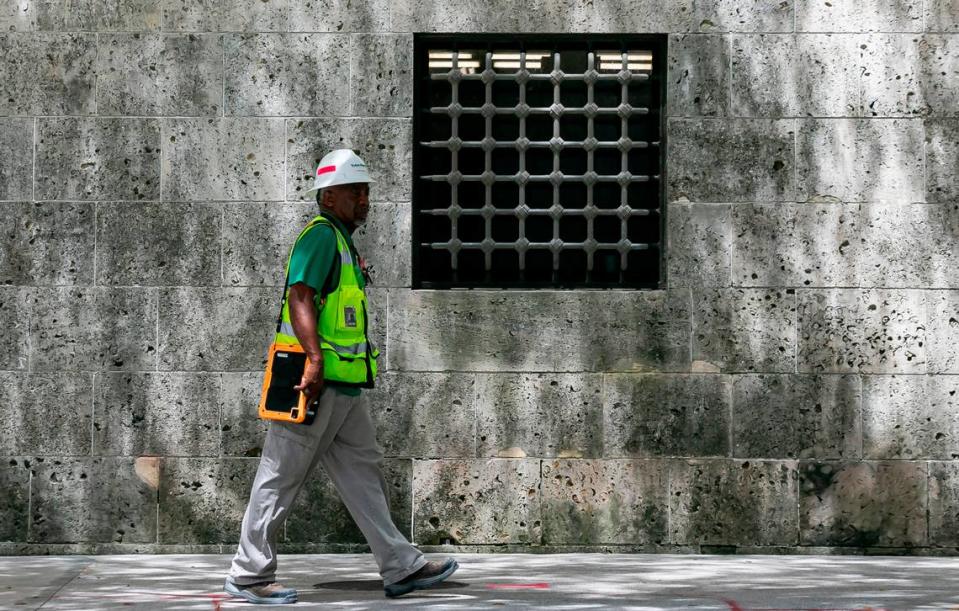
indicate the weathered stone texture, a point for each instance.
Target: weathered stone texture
{"x":384,"y":144}
{"x":14,"y":499}
{"x":595,"y":502}
{"x":795,"y":244}
{"x":17,"y":17}
{"x":159,"y":74}
{"x":855,"y":160}
{"x":890,"y":82}
{"x":206,"y":329}
{"x":942,"y":160}
{"x":319,"y":515}
{"x":666,"y":415}
{"x":942,"y":15}
{"x":938,"y":70}
{"x":714,"y":160}
{"x":202,"y":500}
{"x":223,"y":159}
{"x":699,"y":245}
{"x":384,"y":241}
{"x":725,"y":502}
{"x":47,"y":414}
{"x":539,"y":331}
{"x":97,"y":159}
{"x":257,"y":237}
{"x":158,"y":244}
{"x":910,"y":417}
{"x":101,"y":16}
{"x":864,"y":331}
{"x":46,"y":243}
{"x":745,"y":329}
{"x":424,"y":415}
{"x":481,"y":501}
{"x":944,"y":503}
{"x":863,"y":504}
{"x":92,"y":499}
{"x":942,"y":313}
{"x":275,"y":16}
{"x":241,"y":430}
{"x":16,"y":166}
{"x":48,"y":74}
{"x":698,"y":76}
{"x":539,"y":415}
{"x":286,"y":74}
{"x":797,"y":416}
{"x":863,"y":16}
{"x":381,"y":72}
{"x":162,"y":414}
{"x":93,"y":328}
{"x":14,"y":328}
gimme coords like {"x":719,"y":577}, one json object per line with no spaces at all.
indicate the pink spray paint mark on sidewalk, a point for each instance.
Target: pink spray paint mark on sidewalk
{"x":517,"y":586}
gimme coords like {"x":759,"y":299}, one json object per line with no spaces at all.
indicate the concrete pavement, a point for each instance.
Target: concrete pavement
{"x":498,"y":581}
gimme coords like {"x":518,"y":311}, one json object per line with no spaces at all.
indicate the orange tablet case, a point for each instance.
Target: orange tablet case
{"x":278,"y":399}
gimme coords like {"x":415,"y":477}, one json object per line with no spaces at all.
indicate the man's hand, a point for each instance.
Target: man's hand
{"x":303,"y":319}
{"x":311,"y":384}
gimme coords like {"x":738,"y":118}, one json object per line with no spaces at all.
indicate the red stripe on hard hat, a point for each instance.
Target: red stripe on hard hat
{"x":325,"y":169}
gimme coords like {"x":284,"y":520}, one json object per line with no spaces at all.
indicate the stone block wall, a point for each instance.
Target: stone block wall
{"x":792,"y":386}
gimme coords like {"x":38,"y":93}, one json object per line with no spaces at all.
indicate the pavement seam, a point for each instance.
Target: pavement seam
{"x":90,"y":562}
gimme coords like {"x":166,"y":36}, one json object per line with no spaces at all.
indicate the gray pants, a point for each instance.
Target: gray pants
{"x":343,"y":438}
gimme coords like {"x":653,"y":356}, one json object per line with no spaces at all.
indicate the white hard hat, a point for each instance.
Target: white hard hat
{"x":341,"y":167}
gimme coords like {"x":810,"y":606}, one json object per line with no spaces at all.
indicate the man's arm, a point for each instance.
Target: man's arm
{"x":303,"y":319}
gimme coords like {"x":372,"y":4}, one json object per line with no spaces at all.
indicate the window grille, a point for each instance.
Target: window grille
{"x":538,"y":162}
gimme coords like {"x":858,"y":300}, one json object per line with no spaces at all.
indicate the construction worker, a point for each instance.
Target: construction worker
{"x":325,"y":312}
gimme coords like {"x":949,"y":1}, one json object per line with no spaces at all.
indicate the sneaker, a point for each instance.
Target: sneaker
{"x":431,"y":574}
{"x":262,"y":593}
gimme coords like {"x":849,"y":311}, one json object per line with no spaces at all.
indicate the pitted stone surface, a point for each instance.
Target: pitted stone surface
{"x":384,"y":144}
{"x":700,"y":241}
{"x":867,"y":504}
{"x":16,"y":166}
{"x":854,"y":160}
{"x":910,"y":417}
{"x":47,"y":414}
{"x":91,"y":499}
{"x":319,"y":516}
{"x":862,"y":331}
{"x":46,"y":243}
{"x":48,"y":74}
{"x":539,"y":331}
{"x":476,"y":501}
{"x":82,"y":329}
{"x":942,"y":160}
{"x":384,"y":241}
{"x":286,"y":74}
{"x":938,"y":65}
{"x":743,"y":330}
{"x":160,"y":74}
{"x":944,"y":503}
{"x":941,"y":15}
{"x":275,"y":16}
{"x":257,"y":237}
{"x":942,"y":312}
{"x":97,"y":159}
{"x":698,"y":73}
{"x":424,"y":415}
{"x":381,"y":73}
{"x":241,"y":430}
{"x":797,"y":416}
{"x":202,"y":500}
{"x":14,"y":499}
{"x":18,"y":17}
{"x":212,"y":329}
{"x":795,"y":244}
{"x":795,"y":75}
{"x":158,"y":244}
{"x":223,"y":159}
{"x":890,"y":85}
{"x":14,"y":327}
{"x":604,"y":501}
{"x":539,"y":415}
{"x":666,"y":415}
{"x":864,"y":16}
{"x":102,"y":16}
{"x":727,"y":502}
{"x":714,"y":160}
{"x":159,"y":414}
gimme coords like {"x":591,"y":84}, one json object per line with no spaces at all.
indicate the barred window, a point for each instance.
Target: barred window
{"x":538,"y":161}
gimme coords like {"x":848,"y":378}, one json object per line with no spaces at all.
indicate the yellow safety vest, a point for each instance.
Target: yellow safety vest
{"x":349,"y":359}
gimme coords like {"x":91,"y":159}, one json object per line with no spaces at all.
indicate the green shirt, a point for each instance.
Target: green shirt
{"x":315,"y":264}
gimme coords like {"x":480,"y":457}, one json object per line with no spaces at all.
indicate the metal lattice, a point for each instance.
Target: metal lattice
{"x":633,"y":218}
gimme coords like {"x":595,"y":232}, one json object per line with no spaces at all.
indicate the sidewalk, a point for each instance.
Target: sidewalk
{"x":497,"y":581}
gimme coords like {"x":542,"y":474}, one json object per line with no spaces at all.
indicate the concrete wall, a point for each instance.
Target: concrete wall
{"x":793,"y":388}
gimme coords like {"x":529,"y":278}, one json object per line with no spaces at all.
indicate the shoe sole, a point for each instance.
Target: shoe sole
{"x":231,"y":589}
{"x":394,"y":590}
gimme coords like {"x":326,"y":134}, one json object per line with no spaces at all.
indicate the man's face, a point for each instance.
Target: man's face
{"x":349,"y":203}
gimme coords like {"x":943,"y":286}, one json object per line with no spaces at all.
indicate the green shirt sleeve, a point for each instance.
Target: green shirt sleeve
{"x":312,"y":258}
